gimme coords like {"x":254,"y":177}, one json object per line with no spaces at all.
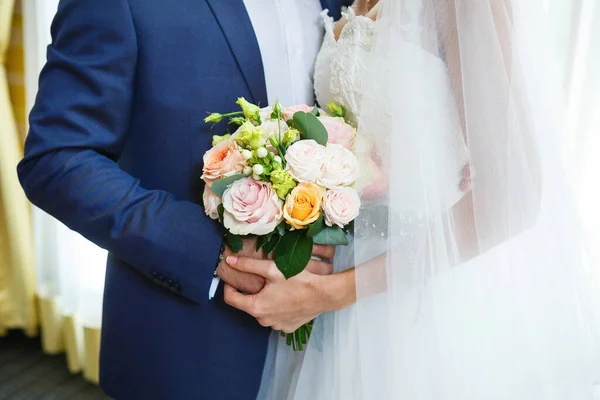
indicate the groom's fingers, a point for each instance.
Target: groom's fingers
{"x":238,"y":300}
{"x":265,"y":268}
{"x":322,"y":251}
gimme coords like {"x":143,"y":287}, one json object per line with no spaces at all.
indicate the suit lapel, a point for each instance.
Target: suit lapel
{"x":237,"y":28}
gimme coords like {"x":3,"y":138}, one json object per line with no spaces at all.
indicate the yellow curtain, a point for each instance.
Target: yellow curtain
{"x":17,"y":280}
{"x":62,"y":331}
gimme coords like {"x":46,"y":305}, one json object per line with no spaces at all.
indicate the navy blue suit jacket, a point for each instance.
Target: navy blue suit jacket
{"x":114,"y":152}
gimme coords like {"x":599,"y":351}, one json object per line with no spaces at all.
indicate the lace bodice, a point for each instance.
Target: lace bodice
{"x":340,"y":65}
{"x":423,"y":100}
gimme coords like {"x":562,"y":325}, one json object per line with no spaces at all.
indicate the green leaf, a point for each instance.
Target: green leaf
{"x":221,"y":211}
{"x":219,"y":187}
{"x":310,"y":127}
{"x":234,"y":242}
{"x":271,"y":245}
{"x":315,"y":112}
{"x":316,"y":227}
{"x":262,"y":240}
{"x":293,"y":253}
{"x":330,"y":235}
{"x":281,"y":229}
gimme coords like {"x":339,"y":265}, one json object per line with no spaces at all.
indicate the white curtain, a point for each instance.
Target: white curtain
{"x":576,"y":26}
{"x":70,"y":269}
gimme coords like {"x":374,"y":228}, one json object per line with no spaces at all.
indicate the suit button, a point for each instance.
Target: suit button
{"x":176,"y":287}
{"x":152,"y":273}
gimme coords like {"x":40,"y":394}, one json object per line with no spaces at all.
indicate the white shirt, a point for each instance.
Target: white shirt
{"x":289,"y":34}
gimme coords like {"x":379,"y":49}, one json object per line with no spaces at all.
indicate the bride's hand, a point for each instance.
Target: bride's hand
{"x":286,"y":304}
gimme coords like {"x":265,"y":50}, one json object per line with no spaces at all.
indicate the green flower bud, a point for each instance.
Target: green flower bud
{"x":250,"y":110}
{"x":273,"y":140}
{"x":214,"y":118}
{"x":282,"y":182}
{"x":218,"y":139}
{"x":276,"y":114}
{"x":250,"y":136}
{"x":290,"y":136}
{"x":336,"y":110}
{"x":237,"y":120}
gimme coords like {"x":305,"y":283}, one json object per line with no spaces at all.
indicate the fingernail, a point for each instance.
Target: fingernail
{"x":232,"y":260}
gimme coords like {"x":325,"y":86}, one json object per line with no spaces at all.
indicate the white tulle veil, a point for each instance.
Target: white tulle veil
{"x":477,"y":295}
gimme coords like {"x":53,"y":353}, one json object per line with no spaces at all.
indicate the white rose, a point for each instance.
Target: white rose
{"x":340,"y":167}
{"x":251,"y":207}
{"x":211,"y":203}
{"x":305,"y":160}
{"x":341,"y":206}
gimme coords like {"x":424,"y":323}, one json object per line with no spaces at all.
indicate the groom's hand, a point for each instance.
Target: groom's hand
{"x":243,"y":281}
{"x":252,"y":283}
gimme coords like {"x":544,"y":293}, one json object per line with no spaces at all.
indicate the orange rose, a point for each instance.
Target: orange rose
{"x":303,"y":205}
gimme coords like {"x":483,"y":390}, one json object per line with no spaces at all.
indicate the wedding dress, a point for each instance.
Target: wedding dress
{"x":480,"y":295}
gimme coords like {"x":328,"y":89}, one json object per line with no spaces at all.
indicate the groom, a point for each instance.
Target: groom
{"x":115,"y":152}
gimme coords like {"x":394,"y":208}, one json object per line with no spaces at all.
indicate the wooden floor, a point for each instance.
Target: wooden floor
{"x":27,"y":374}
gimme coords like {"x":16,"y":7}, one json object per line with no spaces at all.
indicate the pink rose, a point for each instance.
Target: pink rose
{"x":288,"y":113}
{"x":338,"y":131}
{"x":305,"y":160}
{"x":251,"y":208}
{"x":341,"y":206}
{"x":211,"y":203}
{"x":270,"y":128}
{"x":222,"y":160}
{"x":377,"y":181}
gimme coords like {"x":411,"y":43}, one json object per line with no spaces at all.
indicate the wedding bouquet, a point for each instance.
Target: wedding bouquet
{"x":285,"y":176}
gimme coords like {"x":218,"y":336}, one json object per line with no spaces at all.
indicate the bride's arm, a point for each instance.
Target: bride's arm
{"x":361,"y":7}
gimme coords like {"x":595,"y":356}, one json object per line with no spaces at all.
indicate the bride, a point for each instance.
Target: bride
{"x":442,"y":294}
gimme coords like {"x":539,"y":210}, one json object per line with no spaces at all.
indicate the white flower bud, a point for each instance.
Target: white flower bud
{"x":258,"y":169}
{"x":247,"y":170}
{"x":262,"y":152}
{"x":277,"y":159}
{"x":247,"y":154}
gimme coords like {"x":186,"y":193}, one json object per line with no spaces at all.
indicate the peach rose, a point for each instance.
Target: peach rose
{"x":338,"y":131}
{"x":341,"y":206}
{"x":251,"y":207}
{"x":211,"y":203}
{"x":222,"y":160}
{"x":303,"y":205}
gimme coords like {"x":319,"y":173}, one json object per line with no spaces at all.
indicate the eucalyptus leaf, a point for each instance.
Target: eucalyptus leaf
{"x":218,"y":187}
{"x":315,"y":111}
{"x":234,"y":242}
{"x":310,"y":127}
{"x":316,"y":227}
{"x":293,"y":253}
{"x":331,"y":235}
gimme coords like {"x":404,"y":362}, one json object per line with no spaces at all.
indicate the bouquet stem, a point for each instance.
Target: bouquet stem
{"x":299,"y":338}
